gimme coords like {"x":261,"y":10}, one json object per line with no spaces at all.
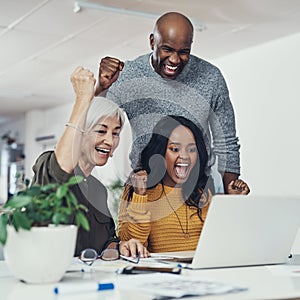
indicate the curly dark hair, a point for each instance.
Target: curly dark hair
{"x":152,"y":161}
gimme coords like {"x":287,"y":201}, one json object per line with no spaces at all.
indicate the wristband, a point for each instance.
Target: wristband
{"x":75,"y":127}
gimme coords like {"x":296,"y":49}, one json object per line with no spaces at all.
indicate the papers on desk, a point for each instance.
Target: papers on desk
{"x":176,"y":286}
{"x":176,"y":254}
{"x":184,"y":256}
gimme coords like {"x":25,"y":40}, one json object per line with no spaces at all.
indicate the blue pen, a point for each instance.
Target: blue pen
{"x":82,"y":287}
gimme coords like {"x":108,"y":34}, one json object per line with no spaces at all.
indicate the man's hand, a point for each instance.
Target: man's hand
{"x":132,"y":248}
{"x":83,"y":82}
{"x":139,"y":182}
{"x":238,"y":187}
{"x":109,"y":71}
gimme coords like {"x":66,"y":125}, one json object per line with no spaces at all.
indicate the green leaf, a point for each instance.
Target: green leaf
{"x":66,"y":211}
{"x":50,"y":199}
{"x":83,"y":207}
{"x":3,"y":229}
{"x":57,"y":218}
{"x":34,"y":190}
{"x":72,"y":198}
{"x":18,"y":201}
{"x":61,"y":191}
{"x":48,"y":187}
{"x":74,"y":180}
{"x":81,"y":220}
{"x":20,"y":220}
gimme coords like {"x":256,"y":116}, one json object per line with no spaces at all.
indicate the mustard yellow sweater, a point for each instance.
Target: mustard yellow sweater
{"x":152,"y":219}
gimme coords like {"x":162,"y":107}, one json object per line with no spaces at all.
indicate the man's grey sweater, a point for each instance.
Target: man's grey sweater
{"x":199,"y":93}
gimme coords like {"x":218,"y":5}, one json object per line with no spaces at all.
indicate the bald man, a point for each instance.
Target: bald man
{"x":171,"y":81}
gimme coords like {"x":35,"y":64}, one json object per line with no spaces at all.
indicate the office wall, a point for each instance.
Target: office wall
{"x":264,"y":86}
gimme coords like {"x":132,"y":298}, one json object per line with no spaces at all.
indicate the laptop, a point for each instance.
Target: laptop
{"x":244,"y":231}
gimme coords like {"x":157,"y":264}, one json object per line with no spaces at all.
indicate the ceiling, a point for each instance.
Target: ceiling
{"x":41,"y":41}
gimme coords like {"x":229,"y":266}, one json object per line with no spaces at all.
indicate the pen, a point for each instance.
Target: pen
{"x":83,"y":287}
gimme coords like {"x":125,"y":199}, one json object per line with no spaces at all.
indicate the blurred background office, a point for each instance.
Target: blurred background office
{"x":255,"y":43}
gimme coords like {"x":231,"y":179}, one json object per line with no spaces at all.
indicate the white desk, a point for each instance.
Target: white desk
{"x":266,"y":282}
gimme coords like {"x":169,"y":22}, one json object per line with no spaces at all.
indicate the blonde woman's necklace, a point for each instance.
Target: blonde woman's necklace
{"x":186,"y":231}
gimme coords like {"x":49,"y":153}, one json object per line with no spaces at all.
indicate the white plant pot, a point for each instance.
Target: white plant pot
{"x":41,"y":255}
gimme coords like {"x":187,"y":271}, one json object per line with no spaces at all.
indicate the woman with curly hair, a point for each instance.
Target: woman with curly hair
{"x":166,"y":199}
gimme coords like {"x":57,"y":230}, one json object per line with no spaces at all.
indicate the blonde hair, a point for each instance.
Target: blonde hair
{"x":101,"y":107}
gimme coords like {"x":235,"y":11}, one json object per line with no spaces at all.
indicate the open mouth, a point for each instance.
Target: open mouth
{"x":181,"y":170}
{"x":170,"y":70}
{"x":103,"y":150}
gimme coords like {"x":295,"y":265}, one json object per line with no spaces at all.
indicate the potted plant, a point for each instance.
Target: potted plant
{"x":36,"y":231}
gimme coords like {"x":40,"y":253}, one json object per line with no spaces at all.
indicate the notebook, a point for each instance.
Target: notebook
{"x":244,"y":231}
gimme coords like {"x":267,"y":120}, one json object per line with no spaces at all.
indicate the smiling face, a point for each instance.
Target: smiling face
{"x":171,"y":44}
{"x":180,"y":157}
{"x":100,"y":142}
